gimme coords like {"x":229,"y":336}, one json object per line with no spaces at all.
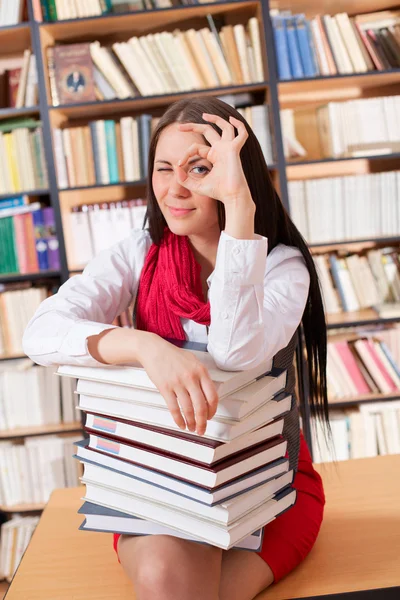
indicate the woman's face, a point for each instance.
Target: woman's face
{"x":185,"y":212}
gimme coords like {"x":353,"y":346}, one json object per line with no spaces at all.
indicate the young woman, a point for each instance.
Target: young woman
{"x":221,"y":262}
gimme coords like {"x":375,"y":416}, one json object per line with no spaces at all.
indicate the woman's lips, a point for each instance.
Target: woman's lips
{"x":180,"y":212}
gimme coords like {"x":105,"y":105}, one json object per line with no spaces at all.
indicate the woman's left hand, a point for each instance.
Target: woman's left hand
{"x":226,"y":180}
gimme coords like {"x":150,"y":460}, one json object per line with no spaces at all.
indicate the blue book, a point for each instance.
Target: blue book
{"x":390,"y":358}
{"x":293,"y":48}
{"x":304,"y":46}
{"x":40,"y":241}
{"x":13,"y":202}
{"x":281,"y":47}
{"x":112,"y":156}
{"x":312,"y":49}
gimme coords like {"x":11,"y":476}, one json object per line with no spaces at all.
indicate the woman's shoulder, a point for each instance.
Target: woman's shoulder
{"x":135,"y":244}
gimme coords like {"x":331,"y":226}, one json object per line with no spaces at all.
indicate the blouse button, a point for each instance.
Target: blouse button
{"x":224,"y":315}
{"x":236,"y":250}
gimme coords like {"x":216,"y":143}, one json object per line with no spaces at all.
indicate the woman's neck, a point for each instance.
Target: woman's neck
{"x":205,"y":252}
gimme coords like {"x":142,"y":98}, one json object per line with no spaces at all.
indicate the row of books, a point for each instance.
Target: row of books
{"x":372,"y":429}
{"x":342,"y":130}
{"x":41,"y":398}
{"x":157,"y":63}
{"x":15,"y":536}
{"x":18,"y":303}
{"x":357,"y":281}
{"x":338,"y":44}
{"x":11,"y":13}
{"x":59,"y":10}
{"x":345,"y":208}
{"x":22,"y":159}
{"x":29,"y":472}
{"x":95,"y":227}
{"x":28,"y":241}
{"x":108,"y":151}
{"x":361,"y":366}
{"x":19,"y":81}
{"x":218,"y":488}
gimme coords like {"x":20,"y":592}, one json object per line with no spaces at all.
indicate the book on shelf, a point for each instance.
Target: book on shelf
{"x":107,"y":151}
{"x":100,"y":518}
{"x":28,"y":237}
{"x":42,"y":398}
{"x":22,"y":161}
{"x":158,"y":63}
{"x":19,"y":81}
{"x":220,"y":487}
{"x":15,"y":535}
{"x":328,"y":45}
{"x":356,"y":281}
{"x":371,"y":429}
{"x":18,"y":302}
{"x":29,"y":472}
{"x":12,"y":13}
{"x":334,"y":209}
{"x":96,"y":227}
{"x":361,"y":367}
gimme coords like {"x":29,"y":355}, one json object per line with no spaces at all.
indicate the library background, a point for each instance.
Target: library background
{"x":82,"y":84}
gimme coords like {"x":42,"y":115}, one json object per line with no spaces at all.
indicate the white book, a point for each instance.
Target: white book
{"x":184,"y":444}
{"x":222,"y":537}
{"x":222,"y":430}
{"x":236,"y":406}
{"x":226,"y":382}
{"x":199,"y":474}
{"x":210,"y":497}
{"x":222,"y":514}
{"x":98,"y":518}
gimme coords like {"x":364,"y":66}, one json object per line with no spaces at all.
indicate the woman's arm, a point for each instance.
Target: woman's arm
{"x":85,"y":306}
{"x":257,"y":301}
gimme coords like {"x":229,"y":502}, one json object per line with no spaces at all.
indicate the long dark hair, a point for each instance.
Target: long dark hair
{"x":271,"y":221}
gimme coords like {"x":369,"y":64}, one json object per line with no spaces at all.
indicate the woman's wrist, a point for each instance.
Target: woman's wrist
{"x":239,"y":218}
{"x":120,"y":345}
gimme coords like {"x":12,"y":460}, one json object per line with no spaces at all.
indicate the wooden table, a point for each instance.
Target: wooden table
{"x":358,"y":548}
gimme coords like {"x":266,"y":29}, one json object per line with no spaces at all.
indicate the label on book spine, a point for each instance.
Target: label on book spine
{"x":104,"y":425}
{"x":108,"y":446}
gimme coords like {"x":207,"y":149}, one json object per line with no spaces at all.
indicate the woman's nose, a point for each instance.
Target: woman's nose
{"x":176,"y":188}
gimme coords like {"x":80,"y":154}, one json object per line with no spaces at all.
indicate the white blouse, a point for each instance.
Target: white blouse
{"x":257,"y":302}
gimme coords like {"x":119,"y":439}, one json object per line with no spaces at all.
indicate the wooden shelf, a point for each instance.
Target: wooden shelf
{"x":138,"y":183}
{"x":15,"y":38}
{"x":23,"y":508}
{"x":323,"y":247}
{"x":3,"y":588}
{"x":344,"y":402}
{"x":109,"y":107}
{"x":24,"y":193}
{"x":368,"y":316}
{"x":9,"y":278}
{"x":9,"y":112}
{"x":314,"y":90}
{"x":310,"y":8}
{"x":321,"y":161}
{"x":40,"y":430}
{"x":138,"y":21}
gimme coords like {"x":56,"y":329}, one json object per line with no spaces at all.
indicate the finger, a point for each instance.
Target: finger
{"x":186,"y":404}
{"x":242,"y":132}
{"x":228,"y":132}
{"x":200,"y":405}
{"x":207,"y":131}
{"x":173,"y":407}
{"x":195,"y":149}
{"x":210,"y":393}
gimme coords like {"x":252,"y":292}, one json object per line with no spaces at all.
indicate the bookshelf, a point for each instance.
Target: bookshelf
{"x":300,"y":93}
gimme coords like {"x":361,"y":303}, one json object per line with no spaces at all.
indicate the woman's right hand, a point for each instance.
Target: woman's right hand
{"x":182,"y":380}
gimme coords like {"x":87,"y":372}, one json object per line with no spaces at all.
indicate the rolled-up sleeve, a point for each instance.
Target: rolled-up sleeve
{"x":257,"y":301}
{"x":86,"y":305}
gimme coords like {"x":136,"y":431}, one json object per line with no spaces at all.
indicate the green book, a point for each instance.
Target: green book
{"x":45,"y":10}
{"x":51,"y":4}
{"x":11,"y":124}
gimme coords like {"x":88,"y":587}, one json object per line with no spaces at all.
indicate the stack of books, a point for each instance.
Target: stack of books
{"x":144,"y":475}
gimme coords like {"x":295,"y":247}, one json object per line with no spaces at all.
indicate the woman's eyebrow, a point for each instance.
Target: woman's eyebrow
{"x":192,"y":160}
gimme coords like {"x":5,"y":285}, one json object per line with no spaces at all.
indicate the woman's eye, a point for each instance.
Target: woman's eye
{"x":201,"y":167}
{"x":163,"y":169}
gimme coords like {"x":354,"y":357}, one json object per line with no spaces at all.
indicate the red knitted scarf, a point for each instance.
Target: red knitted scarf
{"x":170,"y":288}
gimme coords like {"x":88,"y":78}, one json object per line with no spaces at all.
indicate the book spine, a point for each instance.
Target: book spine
{"x":52,"y":10}
{"x":112,"y":157}
{"x":41,"y":245}
{"x":51,"y":238}
{"x":45,"y":10}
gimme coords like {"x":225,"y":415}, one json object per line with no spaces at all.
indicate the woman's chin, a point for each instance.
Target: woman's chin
{"x":179,"y":227}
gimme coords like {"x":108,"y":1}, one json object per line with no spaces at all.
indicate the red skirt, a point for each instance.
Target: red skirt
{"x":289,"y":538}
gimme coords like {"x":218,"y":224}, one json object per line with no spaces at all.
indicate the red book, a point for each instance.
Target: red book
{"x":352,"y":367}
